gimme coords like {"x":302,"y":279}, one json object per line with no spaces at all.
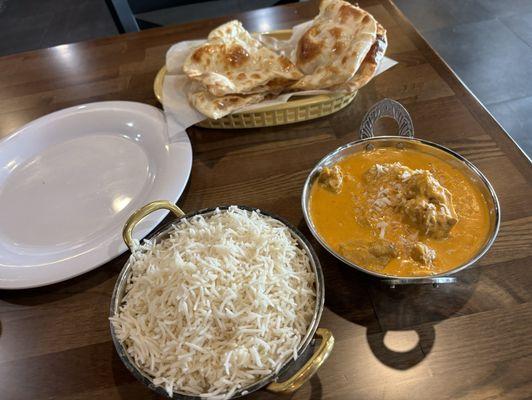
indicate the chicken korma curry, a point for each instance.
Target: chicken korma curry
{"x":399,"y":212}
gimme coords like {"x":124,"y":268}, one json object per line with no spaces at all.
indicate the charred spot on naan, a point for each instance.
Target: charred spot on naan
{"x":203,"y":52}
{"x":277,"y":83}
{"x":237,"y":56}
{"x":308,"y":49}
{"x":335,"y":32}
{"x":286,"y":64}
{"x":234,"y":55}
{"x":338,"y":47}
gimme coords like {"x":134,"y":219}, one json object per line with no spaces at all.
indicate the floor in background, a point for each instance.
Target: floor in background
{"x":34,"y":24}
{"x":193,"y":12}
{"x":487,"y":42}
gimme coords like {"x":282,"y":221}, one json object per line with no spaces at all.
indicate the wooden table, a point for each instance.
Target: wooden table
{"x":469,"y":340}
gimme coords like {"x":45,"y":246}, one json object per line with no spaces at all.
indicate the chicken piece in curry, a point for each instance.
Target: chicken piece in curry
{"x":425,"y":203}
{"x":399,"y":212}
{"x":369,"y":253}
{"x":331,"y":178}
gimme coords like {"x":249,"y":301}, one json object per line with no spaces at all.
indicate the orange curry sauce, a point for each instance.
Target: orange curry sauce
{"x":341,"y":217}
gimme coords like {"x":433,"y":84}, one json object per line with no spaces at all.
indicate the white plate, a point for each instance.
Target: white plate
{"x":69,"y":181}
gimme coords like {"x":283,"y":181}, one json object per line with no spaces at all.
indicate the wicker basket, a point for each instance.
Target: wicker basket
{"x":296,"y":109}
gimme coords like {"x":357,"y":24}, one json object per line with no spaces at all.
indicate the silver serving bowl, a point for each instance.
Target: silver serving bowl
{"x":405,"y":140}
{"x":294,"y":373}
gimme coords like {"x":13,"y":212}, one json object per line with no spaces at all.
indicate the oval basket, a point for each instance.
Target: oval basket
{"x":296,"y":109}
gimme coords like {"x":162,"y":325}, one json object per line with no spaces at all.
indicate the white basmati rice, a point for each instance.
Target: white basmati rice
{"x":220,"y":304}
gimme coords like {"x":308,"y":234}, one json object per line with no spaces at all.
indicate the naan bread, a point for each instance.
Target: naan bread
{"x":219,"y":106}
{"x":330,"y":52}
{"x":233,"y":62}
{"x":370,"y":64}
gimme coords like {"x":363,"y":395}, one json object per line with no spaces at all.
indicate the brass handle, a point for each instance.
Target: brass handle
{"x":310,"y":368}
{"x":142,"y":212}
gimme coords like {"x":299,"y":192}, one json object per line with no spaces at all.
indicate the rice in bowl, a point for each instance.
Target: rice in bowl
{"x":223,"y":302}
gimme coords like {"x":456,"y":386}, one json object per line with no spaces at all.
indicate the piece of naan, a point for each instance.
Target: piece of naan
{"x":369,"y":66}
{"x":233,"y":62}
{"x":219,"y":106}
{"x":331,"y":51}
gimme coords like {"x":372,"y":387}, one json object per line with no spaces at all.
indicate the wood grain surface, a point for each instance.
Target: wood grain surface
{"x":469,"y":340}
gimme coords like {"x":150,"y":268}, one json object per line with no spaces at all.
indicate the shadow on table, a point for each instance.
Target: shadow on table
{"x":126,"y":384}
{"x":66,"y":289}
{"x":367,"y":301}
{"x":210,"y":145}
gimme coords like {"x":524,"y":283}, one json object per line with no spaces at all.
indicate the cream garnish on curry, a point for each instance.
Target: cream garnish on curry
{"x":399,"y":212}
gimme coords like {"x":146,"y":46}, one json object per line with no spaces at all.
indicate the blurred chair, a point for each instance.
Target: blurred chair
{"x":136,"y":15}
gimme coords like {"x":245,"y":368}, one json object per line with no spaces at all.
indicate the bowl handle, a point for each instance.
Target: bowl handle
{"x":387,"y":108}
{"x":310,"y":368}
{"x":142,"y":212}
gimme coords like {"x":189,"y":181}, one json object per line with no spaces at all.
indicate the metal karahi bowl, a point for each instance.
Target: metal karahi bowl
{"x":405,"y":140}
{"x":294,"y":373}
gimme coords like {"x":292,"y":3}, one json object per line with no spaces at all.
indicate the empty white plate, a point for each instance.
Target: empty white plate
{"x":69,"y":181}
